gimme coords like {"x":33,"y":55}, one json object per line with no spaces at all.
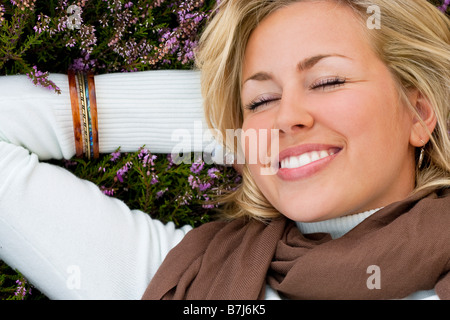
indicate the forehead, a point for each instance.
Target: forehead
{"x":305,"y":29}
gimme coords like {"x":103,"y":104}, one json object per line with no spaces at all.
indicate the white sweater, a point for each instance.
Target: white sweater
{"x":68,"y":238}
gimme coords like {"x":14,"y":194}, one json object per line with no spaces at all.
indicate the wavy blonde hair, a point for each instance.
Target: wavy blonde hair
{"x":413,"y":42}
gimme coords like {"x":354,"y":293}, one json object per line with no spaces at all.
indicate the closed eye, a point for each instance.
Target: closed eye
{"x":324,"y":84}
{"x":328,"y":83}
{"x":252,"y":106}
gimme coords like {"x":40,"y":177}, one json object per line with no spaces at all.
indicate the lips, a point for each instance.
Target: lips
{"x":305,"y":160}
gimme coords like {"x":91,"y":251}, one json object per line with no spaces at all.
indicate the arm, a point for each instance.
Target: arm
{"x":61,"y":232}
{"x":133,"y":109}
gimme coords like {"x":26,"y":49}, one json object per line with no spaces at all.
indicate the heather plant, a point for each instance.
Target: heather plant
{"x":100,"y":36}
{"x":13,"y":286}
{"x":169,"y":191}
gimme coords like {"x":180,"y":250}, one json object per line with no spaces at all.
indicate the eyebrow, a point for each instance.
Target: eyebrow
{"x":302,"y":66}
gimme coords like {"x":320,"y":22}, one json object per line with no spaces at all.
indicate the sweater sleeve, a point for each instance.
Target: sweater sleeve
{"x":61,"y":232}
{"x":159,"y":109}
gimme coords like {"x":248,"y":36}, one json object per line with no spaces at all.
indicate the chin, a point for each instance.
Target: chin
{"x":310,"y":205}
{"x":307,"y":216}
{"x":304,"y":212}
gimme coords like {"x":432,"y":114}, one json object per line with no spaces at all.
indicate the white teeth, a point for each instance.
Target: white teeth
{"x":294,"y":162}
{"x":305,"y":159}
{"x":315,"y":156}
{"x":324,"y":154}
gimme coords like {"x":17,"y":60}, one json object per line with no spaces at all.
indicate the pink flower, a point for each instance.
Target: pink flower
{"x":115,"y":156}
{"x":212,"y":173}
{"x":40,"y":78}
{"x":197,"y":166}
{"x":122,"y":171}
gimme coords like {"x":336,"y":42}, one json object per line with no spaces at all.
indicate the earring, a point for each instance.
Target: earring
{"x":421,"y":156}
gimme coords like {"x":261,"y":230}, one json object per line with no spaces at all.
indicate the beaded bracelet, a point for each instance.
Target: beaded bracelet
{"x":84,"y":103}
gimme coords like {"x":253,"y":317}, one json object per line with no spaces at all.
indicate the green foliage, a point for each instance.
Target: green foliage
{"x":99,"y":36}
{"x":182,"y":193}
{"x":13,"y":286}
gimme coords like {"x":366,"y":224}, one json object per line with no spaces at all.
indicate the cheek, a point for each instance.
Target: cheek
{"x":360,"y":116}
{"x":347,"y":113}
{"x":256,"y":137}
{"x":372,"y":127}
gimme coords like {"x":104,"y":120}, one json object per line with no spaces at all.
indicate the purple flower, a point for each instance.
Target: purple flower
{"x":212,"y":173}
{"x":143,"y":153}
{"x":21,"y":290}
{"x":160,"y":193}
{"x":149,"y":159}
{"x":82,"y":64}
{"x":42,"y":24}
{"x":115,"y":156}
{"x":207,"y":206}
{"x":154,"y":179}
{"x":107,"y":191}
{"x":204,"y":186}
{"x":197,"y":166}
{"x":171,"y":162}
{"x":122,"y":171}
{"x":41,"y":79}
{"x":444,"y":6}
{"x":193,"y":181}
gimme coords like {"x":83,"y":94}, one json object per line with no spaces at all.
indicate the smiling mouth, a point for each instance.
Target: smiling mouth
{"x":295,"y":162}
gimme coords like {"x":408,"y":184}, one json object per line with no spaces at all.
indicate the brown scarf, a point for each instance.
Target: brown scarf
{"x":409,"y":242}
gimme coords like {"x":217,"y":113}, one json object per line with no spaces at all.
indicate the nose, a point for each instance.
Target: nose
{"x":293,"y":116}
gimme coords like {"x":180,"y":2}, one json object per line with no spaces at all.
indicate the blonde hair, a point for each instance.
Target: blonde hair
{"x":413,"y":42}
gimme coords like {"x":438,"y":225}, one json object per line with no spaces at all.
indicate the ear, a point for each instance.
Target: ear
{"x":423,"y":126}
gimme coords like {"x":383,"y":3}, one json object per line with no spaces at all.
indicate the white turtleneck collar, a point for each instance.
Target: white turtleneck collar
{"x":336,"y":227}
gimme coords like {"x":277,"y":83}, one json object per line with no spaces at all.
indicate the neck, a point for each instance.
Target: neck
{"x":336,"y":227}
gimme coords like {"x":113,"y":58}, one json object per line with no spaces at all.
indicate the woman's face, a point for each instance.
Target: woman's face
{"x":310,"y":72}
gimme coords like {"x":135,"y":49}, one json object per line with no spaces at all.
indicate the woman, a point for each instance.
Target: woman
{"x":357,"y":108}
{"x":360,"y":184}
